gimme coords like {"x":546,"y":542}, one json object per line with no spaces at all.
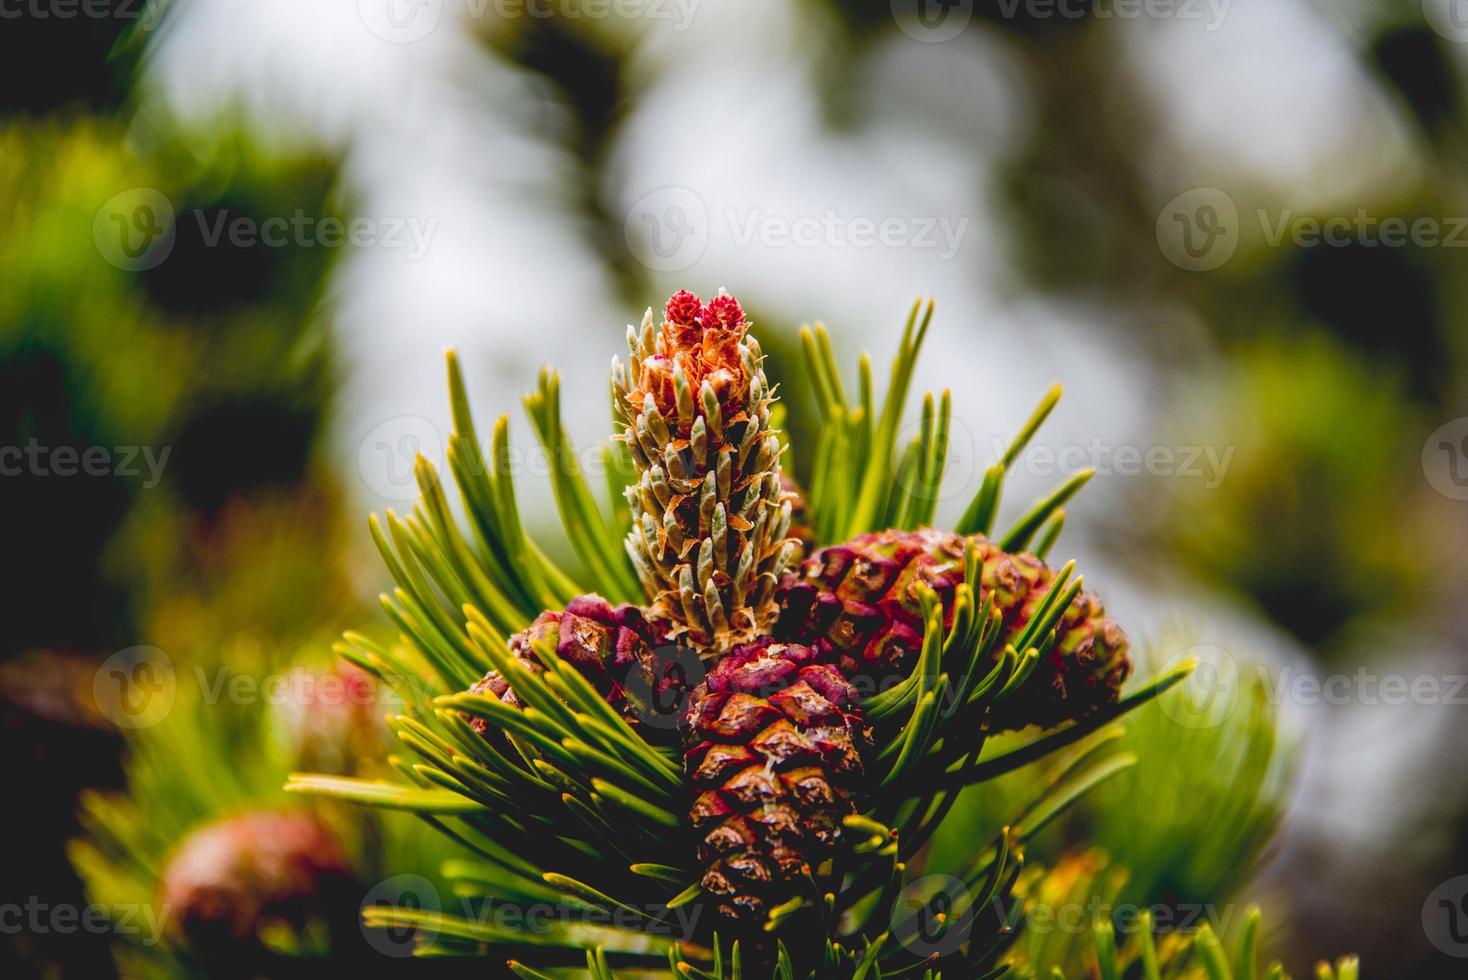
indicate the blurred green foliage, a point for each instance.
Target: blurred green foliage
{"x":242,"y":718}
{"x":1191,"y":819}
{"x":1323,"y":516}
{"x":225,"y":389}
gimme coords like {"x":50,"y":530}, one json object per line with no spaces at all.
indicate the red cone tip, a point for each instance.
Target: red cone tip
{"x":685,"y":309}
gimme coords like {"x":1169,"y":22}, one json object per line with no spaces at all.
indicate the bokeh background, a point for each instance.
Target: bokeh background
{"x":236,"y":238}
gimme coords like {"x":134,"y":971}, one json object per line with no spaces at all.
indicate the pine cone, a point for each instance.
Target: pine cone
{"x":708,"y":522}
{"x":856,"y":604}
{"x":229,"y":878}
{"x":628,"y":658}
{"x":775,"y":742}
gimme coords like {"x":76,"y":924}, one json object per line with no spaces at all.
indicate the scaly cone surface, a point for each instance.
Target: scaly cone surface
{"x":776,"y":742}
{"x":856,"y":603}
{"x":709,"y":518}
{"x":627,"y":658}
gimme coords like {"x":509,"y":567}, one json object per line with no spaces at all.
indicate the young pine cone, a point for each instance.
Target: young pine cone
{"x":626,"y":657}
{"x":775,"y":744}
{"x":857,"y":605}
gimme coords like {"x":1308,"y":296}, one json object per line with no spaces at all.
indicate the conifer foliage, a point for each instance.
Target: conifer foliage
{"x":714,"y":756}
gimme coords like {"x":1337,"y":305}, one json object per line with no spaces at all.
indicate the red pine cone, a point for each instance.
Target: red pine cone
{"x":702,"y":341}
{"x":229,"y":878}
{"x":626,"y":656}
{"x":856,"y":604}
{"x":775,"y":743}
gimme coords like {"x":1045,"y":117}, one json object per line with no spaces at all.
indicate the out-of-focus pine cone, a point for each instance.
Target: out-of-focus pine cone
{"x":231,"y":880}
